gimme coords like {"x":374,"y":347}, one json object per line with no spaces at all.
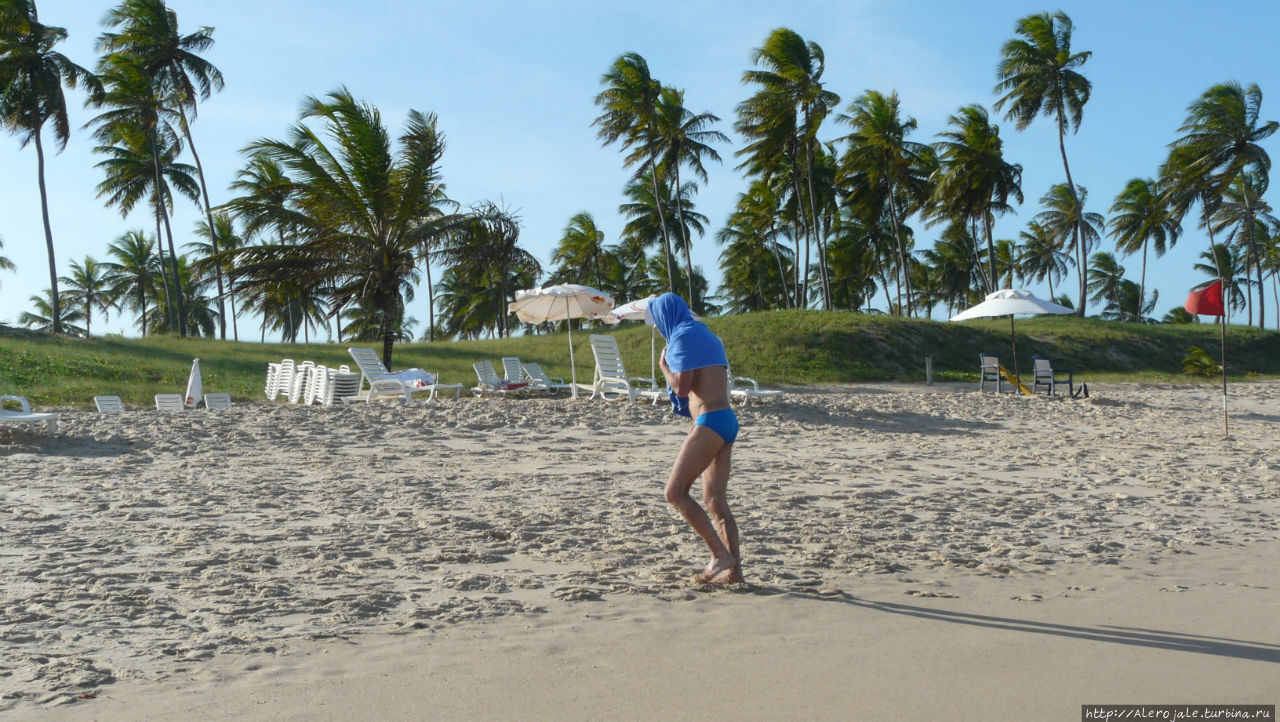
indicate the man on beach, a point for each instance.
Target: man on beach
{"x":696,"y":370}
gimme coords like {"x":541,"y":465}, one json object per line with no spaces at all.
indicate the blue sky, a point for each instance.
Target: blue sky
{"x":513,"y":84}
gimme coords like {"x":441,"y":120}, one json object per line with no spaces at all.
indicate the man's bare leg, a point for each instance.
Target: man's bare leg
{"x":700,"y":449}
{"x":715,"y":483}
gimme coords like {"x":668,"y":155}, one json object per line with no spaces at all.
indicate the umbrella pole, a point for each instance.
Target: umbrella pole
{"x":1017,"y":389}
{"x":653,"y":350}
{"x":1225,"y":432}
{"x":573,"y":367}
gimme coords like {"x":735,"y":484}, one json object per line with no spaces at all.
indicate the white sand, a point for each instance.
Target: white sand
{"x":910,"y":550}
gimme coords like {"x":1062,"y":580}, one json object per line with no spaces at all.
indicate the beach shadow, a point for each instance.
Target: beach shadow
{"x":1153,"y":638}
{"x":899,"y":422}
{"x":1269,"y":418}
{"x":67,"y":446}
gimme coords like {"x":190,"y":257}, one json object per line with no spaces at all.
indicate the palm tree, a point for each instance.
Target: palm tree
{"x":222,"y":237}
{"x":973,"y":182}
{"x":580,"y":250}
{"x":629,"y":106}
{"x":1042,"y":256}
{"x":1221,"y":142}
{"x":1066,"y":221}
{"x":134,"y":126}
{"x":781,"y":120}
{"x":200,"y":318}
{"x":1227,"y":264}
{"x":1105,"y":277}
{"x":1039,"y":75}
{"x":644,"y":212}
{"x":148,"y":33}
{"x":751,"y":267}
{"x":32,"y":75}
{"x":363,"y":211}
{"x":879,"y":150}
{"x":684,"y":140}
{"x":1140,"y":217}
{"x":5,"y":263}
{"x":90,"y":287}
{"x":134,"y":271}
{"x":485,"y":249}
{"x":42,"y":318}
{"x":1247,"y":216}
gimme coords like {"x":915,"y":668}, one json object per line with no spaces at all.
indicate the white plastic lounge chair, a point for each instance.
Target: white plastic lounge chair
{"x":610,"y":381}
{"x":279,"y":378}
{"x":513,"y":372}
{"x":333,"y":386}
{"x":27,"y":416}
{"x":169,"y":402}
{"x":108,"y":404}
{"x":745,"y":388}
{"x":489,"y":384}
{"x":298,"y":386}
{"x":382,"y":383}
{"x":540,"y":380}
{"x":217,"y":401}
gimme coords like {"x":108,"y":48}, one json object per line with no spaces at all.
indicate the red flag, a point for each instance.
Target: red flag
{"x":1207,"y":301}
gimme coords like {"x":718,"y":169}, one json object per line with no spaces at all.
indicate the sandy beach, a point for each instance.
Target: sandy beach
{"x":911,"y":552}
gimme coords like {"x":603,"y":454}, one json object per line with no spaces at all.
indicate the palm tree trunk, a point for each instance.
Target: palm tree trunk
{"x":142,"y":302}
{"x":208,"y":214}
{"x":684,"y":235}
{"x":802,"y":285}
{"x":813,"y":214}
{"x":173,"y":256}
{"x":1071,"y":186}
{"x":164,"y":275}
{"x":431,"y":305}
{"x":991,"y":249}
{"x":1142,"y":283}
{"x":662,"y":224}
{"x":48,"y":237}
{"x":1253,"y":253}
{"x":899,"y":244}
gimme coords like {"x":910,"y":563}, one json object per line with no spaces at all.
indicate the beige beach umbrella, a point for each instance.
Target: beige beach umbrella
{"x":1011,"y":302}
{"x":561,"y":302}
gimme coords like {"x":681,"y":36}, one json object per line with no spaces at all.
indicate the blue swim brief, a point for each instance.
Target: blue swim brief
{"x":722,"y":421}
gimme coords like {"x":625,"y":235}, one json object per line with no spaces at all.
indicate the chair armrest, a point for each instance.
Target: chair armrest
{"x":22,"y":401}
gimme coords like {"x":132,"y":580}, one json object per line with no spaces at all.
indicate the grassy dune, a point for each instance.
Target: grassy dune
{"x":782,"y":347}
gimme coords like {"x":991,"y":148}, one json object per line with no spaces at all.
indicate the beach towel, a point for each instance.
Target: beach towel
{"x":414,"y":378}
{"x":690,"y":344}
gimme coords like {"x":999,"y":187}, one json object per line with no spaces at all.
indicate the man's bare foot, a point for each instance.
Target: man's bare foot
{"x":718,"y":567}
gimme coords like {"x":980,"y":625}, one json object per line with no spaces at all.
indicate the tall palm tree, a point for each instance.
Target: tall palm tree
{"x":1141,"y":217}
{"x":1042,"y":256}
{"x":364,"y":210}
{"x":90,"y":287}
{"x":1221,"y":141}
{"x":629,"y":106}
{"x":134,"y":269}
{"x":41,"y":318}
{"x":1245,"y":215}
{"x":644,"y":212}
{"x":148,"y":33}
{"x":781,"y":120}
{"x":199,"y":317}
{"x":684,"y":139}
{"x":580,"y":249}
{"x":32,"y":75}
{"x":973,"y":182}
{"x":136,"y":122}
{"x":1066,"y":221}
{"x":879,"y":150}
{"x":751,"y":266}
{"x":1039,"y":75}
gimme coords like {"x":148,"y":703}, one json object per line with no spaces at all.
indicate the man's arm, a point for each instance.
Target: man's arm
{"x":681,"y":382}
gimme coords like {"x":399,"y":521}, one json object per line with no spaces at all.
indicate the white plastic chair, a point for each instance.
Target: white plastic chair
{"x":610,"y":381}
{"x":27,"y":416}
{"x":217,"y":401}
{"x":489,"y":384}
{"x":169,"y":402}
{"x":279,"y":378}
{"x":745,"y":388}
{"x":298,"y":386}
{"x":384,"y":384}
{"x":109,"y":404}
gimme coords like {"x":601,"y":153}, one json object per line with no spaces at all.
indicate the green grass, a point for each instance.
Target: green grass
{"x":780,"y":347}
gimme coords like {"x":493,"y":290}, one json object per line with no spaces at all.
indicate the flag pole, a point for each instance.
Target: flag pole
{"x":1226,"y":433}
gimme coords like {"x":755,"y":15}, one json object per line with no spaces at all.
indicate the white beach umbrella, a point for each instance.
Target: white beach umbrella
{"x":1011,"y":302}
{"x":634,"y":311}
{"x":561,"y":303}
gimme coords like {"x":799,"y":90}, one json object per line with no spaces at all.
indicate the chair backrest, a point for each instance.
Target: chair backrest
{"x":1043,"y":366}
{"x":535,"y":373}
{"x":220,"y":400}
{"x":19,"y":400}
{"x":608,"y":358}
{"x":990,"y":363}
{"x":342,"y":384}
{"x":169,"y":402}
{"x":108,"y":404}
{"x":486,"y":373}
{"x":512,"y":370}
